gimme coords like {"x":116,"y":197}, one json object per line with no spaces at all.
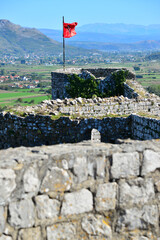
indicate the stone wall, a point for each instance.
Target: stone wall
{"x":145,"y":128}
{"x":59,"y":79}
{"x":35,"y":130}
{"x":104,"y":72}
{"x":82,"y":191}
{"x":102,"y":107}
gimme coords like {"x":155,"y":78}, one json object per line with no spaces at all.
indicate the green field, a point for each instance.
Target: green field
{"x":23,"y":97}
{"x":24,"y":101}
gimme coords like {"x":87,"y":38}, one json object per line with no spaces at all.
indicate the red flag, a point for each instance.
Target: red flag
{"x":69,"y":29}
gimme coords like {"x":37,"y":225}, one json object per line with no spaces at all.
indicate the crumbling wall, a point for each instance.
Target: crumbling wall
{"x":81,"y":191}
{"x":104,"y":72}
{"x":60,"y":79}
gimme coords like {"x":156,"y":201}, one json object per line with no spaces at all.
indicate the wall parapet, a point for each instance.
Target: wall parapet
{"x":81,"y":191}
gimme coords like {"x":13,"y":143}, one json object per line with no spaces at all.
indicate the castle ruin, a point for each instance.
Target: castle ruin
{"x":99,"y":178}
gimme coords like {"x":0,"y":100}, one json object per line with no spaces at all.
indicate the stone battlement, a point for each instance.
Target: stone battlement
{"x":91,"y":190}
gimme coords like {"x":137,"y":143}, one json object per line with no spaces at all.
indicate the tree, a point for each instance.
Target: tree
{"x":119,"y":78}
{"x":3,"y":72}
{"x":20,"y":100}
{"x":136,"y":68}
{"x":80,"y":87}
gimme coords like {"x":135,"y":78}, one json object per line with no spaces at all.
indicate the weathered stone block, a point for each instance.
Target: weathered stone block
{"x":106,"y":196}
{"x":157,"y":184}
{"x":125,"y":165}
{"x":80,"y":168}
{"x":96,"y":226}
{"x":2,"y":220}
{"x":4,"y":237}
{"x":46,"y":207}
{"x":7,"y":184}
{"x":22,"y":214}
{"x":135,"y":218}
{"x":96,"y":164}
{"x":151,"y":161}
{"x":56,"y":180}
{"x":143,"y":238}
{"x":95,"y":135}
{"x":31,"y":180}
{"x":134,"y":192}
{"x":64,"y":231}
{"x":77,"y":202}
{"x":30,"y":234}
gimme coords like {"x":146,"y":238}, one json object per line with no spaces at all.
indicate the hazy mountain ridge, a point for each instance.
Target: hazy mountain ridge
{"x":138,"y":46}
{"x":110,"y":33}
{"x":18,"y":40}
{"x":112,"y":37}
{"x":121,"y":28}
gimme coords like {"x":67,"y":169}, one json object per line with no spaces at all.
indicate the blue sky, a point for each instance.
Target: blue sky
{"x":48,"y":13}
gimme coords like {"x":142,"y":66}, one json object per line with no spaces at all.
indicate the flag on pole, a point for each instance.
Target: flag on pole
{"x":69,"y":29}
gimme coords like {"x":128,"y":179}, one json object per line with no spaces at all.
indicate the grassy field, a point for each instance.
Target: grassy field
{"x":22,"y":97}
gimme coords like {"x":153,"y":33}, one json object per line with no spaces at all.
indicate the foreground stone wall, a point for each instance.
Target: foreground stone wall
{"x":81,"y":191}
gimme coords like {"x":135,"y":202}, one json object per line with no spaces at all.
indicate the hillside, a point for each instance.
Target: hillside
{"x":18,"y":40}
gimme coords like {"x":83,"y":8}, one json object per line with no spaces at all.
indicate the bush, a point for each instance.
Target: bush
{"x":20,"y":100}
{"x":119,"y":79}
{"x":136,"y":68}
{"x":87,"y":88}
{"x":154,"y":89}
{"x":79,"y":87}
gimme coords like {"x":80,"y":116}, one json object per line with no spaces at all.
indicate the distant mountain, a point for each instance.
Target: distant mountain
{"x":18,"y":40}
{"x":120,"y":28}
{"x":149,"y":45}
{"x":110,"y":33}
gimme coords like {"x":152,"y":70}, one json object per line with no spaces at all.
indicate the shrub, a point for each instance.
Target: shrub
{"x":119,"y":78}
{"x":89,"y":88}
{"x":80,"y":87}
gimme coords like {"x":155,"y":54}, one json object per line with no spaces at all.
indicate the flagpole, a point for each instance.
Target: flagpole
{"x":63,"y":48}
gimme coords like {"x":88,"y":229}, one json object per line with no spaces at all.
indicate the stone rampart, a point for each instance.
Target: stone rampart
{"x":82,"y":191}
{"x":35,"y":130}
